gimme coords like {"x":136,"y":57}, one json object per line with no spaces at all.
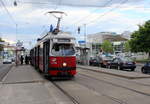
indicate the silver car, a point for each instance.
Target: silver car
{"x":7,"y":61}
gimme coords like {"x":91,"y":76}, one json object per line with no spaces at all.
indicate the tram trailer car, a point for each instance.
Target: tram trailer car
{"x":54,"y":55}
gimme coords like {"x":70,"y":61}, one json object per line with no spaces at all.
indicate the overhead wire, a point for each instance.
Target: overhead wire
{"x":99,"y":17}
{"x":41,"y":3}
{"x":112,"y":9}
{"x":85,"y":17}
{"x":30,"y":2}
{"x":9,"y":14}
{"x":59,"y":3}
{"x":65,"y":4}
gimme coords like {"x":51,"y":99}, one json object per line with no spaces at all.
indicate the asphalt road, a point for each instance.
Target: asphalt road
{"x":4,"y":68}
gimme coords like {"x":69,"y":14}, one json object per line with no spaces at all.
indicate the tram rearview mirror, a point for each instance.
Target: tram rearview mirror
{"x":56,"y":48}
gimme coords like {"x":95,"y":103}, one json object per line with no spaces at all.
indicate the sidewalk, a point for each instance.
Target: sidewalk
{"x":24,"y":73}
{"x":119,"y":73}
{"x":23,"y":85}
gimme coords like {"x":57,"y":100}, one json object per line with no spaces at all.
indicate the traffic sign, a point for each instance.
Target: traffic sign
{"x":19,"y":44}
{"x":2,"y":43}
{"x":81,"y":42}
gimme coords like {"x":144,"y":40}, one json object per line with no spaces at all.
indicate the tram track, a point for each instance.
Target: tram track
{"x":65,"y":93}
{"x":116,"y":85}
{"x":117,"y":100}
{"x":75,"y":101}
{"x":122,"y":78}
{"x":25,"y":82}
{"x":108,"y":96}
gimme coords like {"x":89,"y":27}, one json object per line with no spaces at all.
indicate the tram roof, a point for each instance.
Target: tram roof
{"x":50,"y":35}
{"x":62,"y":35}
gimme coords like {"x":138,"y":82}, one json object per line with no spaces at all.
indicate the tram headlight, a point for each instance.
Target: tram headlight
{"x":53,"y":61}
{"x":64,"y":64}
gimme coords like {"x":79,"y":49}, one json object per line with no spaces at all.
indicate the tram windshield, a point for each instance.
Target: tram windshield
{"x":63,"y":49}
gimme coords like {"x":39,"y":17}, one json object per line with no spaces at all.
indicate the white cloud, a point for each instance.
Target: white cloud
{"x":25,"y":38}
{"x":82,"y":3}
{"x":31,"y":17}
{"x":118,"y":22}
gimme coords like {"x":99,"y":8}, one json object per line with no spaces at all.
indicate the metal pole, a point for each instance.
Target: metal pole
{"x":85,"y":34}
{"x":16,"y":29}
{"x":95,"y":48}
{"x":16,"y":46}
{"x":86,"y":55}
{"x":58,"y":23}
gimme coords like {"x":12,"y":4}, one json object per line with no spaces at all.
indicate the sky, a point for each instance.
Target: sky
{"x":29,"y":20}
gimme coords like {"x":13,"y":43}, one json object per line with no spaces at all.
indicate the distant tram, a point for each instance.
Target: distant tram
{"x":54,"y":54}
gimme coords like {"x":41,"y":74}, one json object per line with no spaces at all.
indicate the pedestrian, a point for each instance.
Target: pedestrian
{"x":29,"y":59}
{"x":26,"y":60}
{"x":21,"y":59}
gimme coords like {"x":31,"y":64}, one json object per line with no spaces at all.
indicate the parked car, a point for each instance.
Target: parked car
{"x":13,"y":59}
{"x":146,"y":68}
{"x":104,"y":60}
{"x":7,"y":61}
{"x":122,"y":63}
{"x":94,"y":61}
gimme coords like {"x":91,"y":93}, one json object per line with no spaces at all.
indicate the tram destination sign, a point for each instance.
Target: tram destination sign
{"x":63,"y":40}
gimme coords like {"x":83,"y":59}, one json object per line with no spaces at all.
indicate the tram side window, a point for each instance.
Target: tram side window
{"x":63,"y":49}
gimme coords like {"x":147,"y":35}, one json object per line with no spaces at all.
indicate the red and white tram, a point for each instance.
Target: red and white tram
{"x":54,"y":54}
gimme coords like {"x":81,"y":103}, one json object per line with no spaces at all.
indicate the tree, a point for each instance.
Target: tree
{"x":107,"y":46}
{"x":140,"y":39}
{"x":1,"y":46}
{"x":127,"y":46}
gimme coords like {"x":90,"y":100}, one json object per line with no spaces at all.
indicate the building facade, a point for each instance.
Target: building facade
{"x":94,"y":42}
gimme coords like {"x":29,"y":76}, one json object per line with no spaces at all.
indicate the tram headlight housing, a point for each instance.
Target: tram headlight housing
{"x":64,"y":64}
{"x":72,"y":41}
{"x":53,"y":61}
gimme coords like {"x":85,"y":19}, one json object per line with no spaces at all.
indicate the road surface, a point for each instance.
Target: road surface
{"x":4,"y":68}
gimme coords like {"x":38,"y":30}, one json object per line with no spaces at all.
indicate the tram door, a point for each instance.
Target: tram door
{"x":35,"y":57}
{"x":46,"y":55}
{"x":38,"y":55}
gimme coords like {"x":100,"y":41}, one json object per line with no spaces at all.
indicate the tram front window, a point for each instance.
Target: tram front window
{"x":63,"y":49}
